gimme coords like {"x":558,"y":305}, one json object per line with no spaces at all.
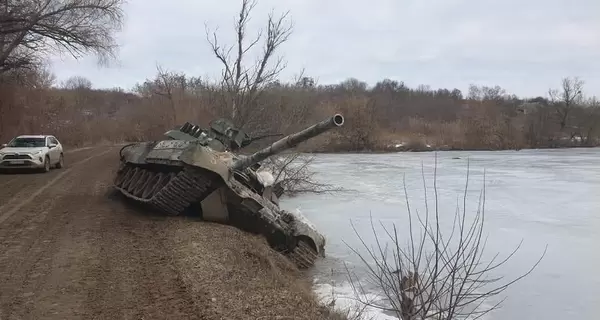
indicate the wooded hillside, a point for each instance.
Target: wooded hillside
{"x":377,"y":118}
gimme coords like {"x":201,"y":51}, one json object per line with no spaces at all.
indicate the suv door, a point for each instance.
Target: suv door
{"x":58,"y":144}
{"x":53,"y":152}
{"x":59,"y":149}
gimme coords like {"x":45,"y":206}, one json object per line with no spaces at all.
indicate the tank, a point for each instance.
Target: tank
{"x":202,"y":170}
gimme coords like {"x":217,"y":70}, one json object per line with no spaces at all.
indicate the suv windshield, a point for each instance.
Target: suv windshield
{"x":28,"y":143}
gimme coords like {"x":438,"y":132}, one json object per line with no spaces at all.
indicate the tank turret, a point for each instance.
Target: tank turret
{"x":221,"y":135}
{"x":221,"y":131}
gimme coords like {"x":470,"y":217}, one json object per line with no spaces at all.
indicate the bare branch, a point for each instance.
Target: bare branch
{"x":292,"y":173}
{"x":75,"y":27}
{"x":434,"y":277}
{"x":244,"y":84}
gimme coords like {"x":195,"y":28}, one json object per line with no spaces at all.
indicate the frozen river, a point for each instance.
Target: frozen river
{"x":542,"y":197}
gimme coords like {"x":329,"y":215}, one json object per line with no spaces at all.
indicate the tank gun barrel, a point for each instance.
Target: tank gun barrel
{"x":290,"y":141}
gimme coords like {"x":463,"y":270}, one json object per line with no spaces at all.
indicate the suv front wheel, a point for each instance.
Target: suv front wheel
{"x":61,"y":162}
{"x":46,"y":164}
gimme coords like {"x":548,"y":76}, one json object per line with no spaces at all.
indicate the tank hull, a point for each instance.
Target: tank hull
{"x":178,"y":175}
{"x":194,"y":169}
{"x":156,"y":173}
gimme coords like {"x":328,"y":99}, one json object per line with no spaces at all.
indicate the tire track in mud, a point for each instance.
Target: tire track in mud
{"x":14,"y":186}
{"x":77,"y":254}
{"x":7,"y":182}
{"x":28,"y":241}
{"x":6,"y":214}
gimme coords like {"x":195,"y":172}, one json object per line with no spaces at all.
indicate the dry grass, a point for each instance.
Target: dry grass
{"x":240,"y":277}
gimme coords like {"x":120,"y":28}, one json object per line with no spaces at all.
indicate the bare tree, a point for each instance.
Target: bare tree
{"x":30,"y":28}
{"x":293,"y":175}
{"x":77,"y":82}
{"x":481,"y":93}
{"x":243,"y":84}
{"x":564,"y":101}
{"x":44,"y":78}
{"x":586,"y":122}
{"x":435,"y":276}
{"x":171,"y":86}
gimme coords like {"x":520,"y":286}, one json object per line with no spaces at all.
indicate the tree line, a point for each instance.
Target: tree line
{"x":386,"y":116}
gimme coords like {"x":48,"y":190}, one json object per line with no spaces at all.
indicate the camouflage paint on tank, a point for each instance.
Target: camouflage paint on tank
{"x":197,"y":165}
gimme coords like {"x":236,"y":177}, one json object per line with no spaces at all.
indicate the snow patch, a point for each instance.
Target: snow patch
{"x":345,"y":299}
{"x":265,"y":178}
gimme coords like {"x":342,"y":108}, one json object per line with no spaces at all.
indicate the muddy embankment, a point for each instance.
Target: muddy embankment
{"x":69,"y":249}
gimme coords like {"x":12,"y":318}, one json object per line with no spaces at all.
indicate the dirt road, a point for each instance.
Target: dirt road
{"x":68,"y":250}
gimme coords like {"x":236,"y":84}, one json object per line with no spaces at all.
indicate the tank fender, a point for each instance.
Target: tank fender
{"x":136,"y":153}
{"x":315,"y":240}
{"x":303,"y":228}
{"x":167,"y":151}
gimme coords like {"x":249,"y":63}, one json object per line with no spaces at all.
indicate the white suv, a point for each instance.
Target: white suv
{"x":32,"y":151}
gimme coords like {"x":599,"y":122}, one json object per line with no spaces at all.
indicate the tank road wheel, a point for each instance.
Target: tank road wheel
{"x":121,"y":175}
{"x":127,"y":178}
{"x":142,"y":189}
{"x":138,"y":188}
{"x":166,"y":191}
{"x":153,"y":185}
{"x":303,"y":255}
{"x":170,"y":177}
{"x":133,"y":178}
{"x":164,"y":180}
{"x":141,"y":181}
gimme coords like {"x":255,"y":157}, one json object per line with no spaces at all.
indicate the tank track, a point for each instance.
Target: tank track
{"x":170,"y":192}
{"x":173,"y":192}
{"x":303,"y":255}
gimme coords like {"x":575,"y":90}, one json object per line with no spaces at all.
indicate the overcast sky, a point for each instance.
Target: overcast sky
{"x":524,"y":46}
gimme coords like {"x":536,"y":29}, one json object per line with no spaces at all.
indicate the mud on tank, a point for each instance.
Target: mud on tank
{"x":199,"y":169}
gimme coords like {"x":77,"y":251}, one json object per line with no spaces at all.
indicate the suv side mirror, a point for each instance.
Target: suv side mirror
{"x":51,"y":145}
{"x":4,"y":145}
